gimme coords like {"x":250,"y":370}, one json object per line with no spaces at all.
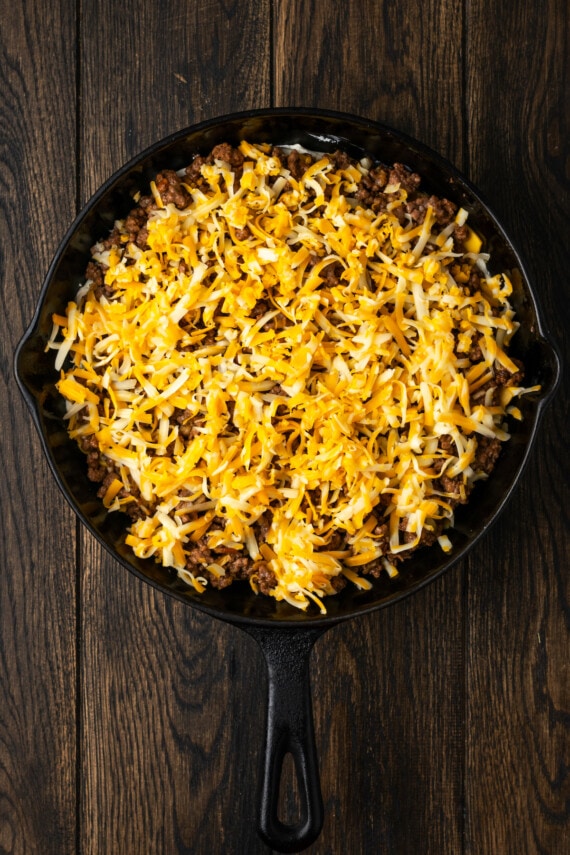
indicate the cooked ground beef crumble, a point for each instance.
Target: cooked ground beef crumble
{"x":374,"y":191}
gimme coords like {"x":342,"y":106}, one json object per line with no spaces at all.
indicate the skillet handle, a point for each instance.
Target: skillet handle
{"x":289,"y":730}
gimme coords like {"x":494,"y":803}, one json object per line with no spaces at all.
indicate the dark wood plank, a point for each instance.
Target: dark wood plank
{"x":442,"y":723}
{"x":187,"y":62}
{"x":389,"y":61}
{"x":388,"y":698}
{"x":171,"y":733}
{"x":518,"y":783}
{"x":173,"y":703}
{"x":388,"y":688}
{"x":37,"y":544}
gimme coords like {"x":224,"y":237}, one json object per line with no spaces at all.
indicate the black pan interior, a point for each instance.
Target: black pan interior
{"x":316,"y":130}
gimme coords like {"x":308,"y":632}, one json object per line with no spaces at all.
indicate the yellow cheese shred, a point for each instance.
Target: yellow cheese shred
{"x":278,"y":352}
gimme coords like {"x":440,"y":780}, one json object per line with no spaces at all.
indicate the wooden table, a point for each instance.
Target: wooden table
{"x":130,"y":724}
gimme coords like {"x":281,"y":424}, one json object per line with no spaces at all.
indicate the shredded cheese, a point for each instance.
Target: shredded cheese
{"x":280,"y":353}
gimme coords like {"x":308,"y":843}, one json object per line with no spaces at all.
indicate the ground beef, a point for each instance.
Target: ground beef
{"x":501,"y":377}
{"x":338,"y":583}
{"x":474,"y":284}
{"x":170,"y":189}
{"x":94,"y":271}
{"x":488,"y":451}
{"x":460,"y":234}
{"x":337,"y":541}
{"x":444,"y":210}
{"x":113,"y":239}
{"x":417,"y":209}
{"x":102,"y":471}
{"x":88,"y":443}
{"x":382,"y":535}
{"x":400,"y":174}
{"x":96,"y":468}
{"x":266,"y":579}
{"x":374,"y":568}
{"x":263,"y":525}
{"x":135,"y":221}
{"x":243,"y":234}
{"x":106,"y":483}
{"x":241,"y":568}
{"x":312,"y":259}
{"x":141,"y":239}
{"x":340,"y":159}
{"x":455,"y":486}
{"x":298,"y":163}
{"x":219,"y":582}
{"x":231,"y":156}
{"x":371,"y":193}
{"x":261,"y":308}
{"x":190,"y":426}
{"x":207,"y":340}
{"x":475,"y":352}
{"x":427,"y":537}
{"x":228,"y":154}
{"x":147,"y":203}
{"x":135,"y":226}
{"x":505,"y":378}
{"x":199,"y":556}
{"x":193,"y":173}
{"x":331,"y":274}
{"x":102,"y":290}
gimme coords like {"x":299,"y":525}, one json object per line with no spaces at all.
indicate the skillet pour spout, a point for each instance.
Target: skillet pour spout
{"x":285,"y":634}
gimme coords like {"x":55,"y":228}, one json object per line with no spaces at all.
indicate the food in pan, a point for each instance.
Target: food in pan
{"x":288,"y":368}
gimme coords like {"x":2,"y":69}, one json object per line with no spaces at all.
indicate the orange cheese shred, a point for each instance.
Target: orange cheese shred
{"x":277,"y":352}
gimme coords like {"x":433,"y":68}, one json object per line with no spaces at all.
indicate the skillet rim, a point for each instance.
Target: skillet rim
{"x":298,"y":619}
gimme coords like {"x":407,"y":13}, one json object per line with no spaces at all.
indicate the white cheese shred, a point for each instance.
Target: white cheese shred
{"x":278,"y":353}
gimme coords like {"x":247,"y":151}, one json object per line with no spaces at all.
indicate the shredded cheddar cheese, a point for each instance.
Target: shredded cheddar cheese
{"x":283,"y":374}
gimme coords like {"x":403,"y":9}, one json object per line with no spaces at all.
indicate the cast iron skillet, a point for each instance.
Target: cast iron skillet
{"x":284,"y":634}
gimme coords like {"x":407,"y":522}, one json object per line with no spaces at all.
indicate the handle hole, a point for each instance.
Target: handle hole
{"x":289,"y":803}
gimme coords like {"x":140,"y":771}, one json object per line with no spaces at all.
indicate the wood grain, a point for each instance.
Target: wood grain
{"x":518,"y":751}
{"x":170,"y":735}
{"x":388,"y":698}
{"x":378,"y":60}
{"x":132,"y":724}
{"x":171,"y":65}
{"x":388,"y":689}
{"x":37,"y":542}
{"x":173,"y":703}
